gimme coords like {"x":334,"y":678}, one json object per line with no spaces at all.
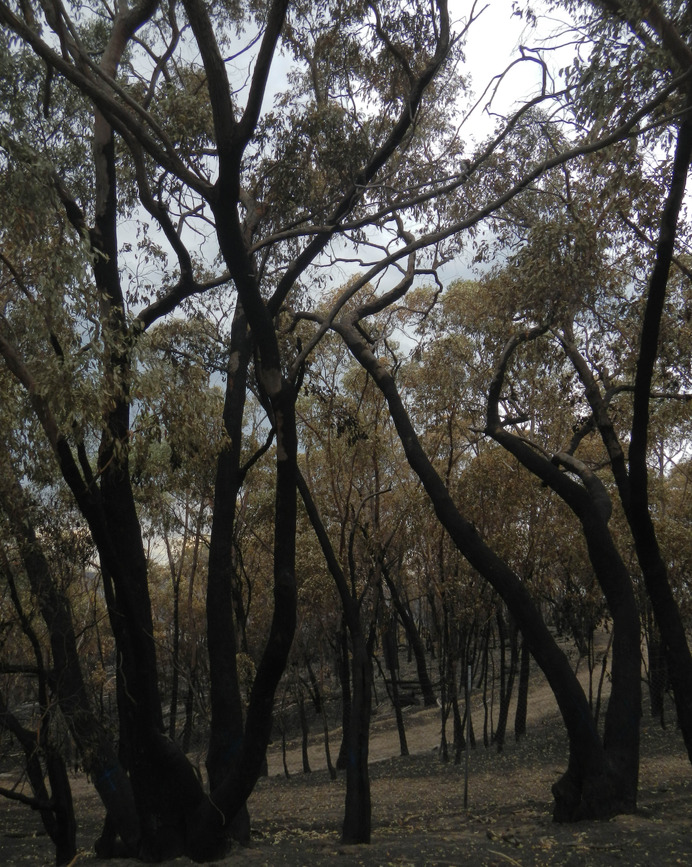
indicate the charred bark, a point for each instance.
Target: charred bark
{"x":632,"y":481}
{"x":522,"y":691}
{"x":346,"y":695}
{"x":207,"y":838}
{"x":653,"y":566}
{"x":226,"y":730}
{"x":591,"y":504}
{"x":414,"y":639}
{"x":581,"y":792}
{"x":357,"y":815}
{"x":507,"y":675}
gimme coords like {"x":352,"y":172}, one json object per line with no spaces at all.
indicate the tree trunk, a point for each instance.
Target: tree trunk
{"x":304,"y":731}
{"x":189,"y":710}
{"x":226,"y":731}
{"x":346,"y":702}
{"x":507,"y":675}
{"x":390,"y":659}
{"x":653,"y":565}
{"x":93,"y":742}
{"x":581,"y":792}
{"x":522,"y":691}
{"x":357,"y":813}
{"x":632,"y":482}
{"x":658,"y":675}
{"x":56,"y":810}
{"x":414,"y":639}
{"x":591,"y":503}
{"x":207,"y":837}
{"x":459,"y":738}
{"x":327,"y":751}
{"x":315,"y":692}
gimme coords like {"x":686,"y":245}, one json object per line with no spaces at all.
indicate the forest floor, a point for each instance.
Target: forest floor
{"x":418,"y":805}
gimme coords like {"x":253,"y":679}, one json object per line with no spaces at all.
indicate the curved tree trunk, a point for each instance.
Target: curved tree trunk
{"x":632,"y":483}
{"x":591,"y":504}
{"x":650,"y":558}
{"x":585,"y":789}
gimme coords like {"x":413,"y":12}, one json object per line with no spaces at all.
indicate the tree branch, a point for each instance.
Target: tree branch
{"x":248,"y":122}
{"x":219,"y":90}
{"x":377,"y":160}
{"x":114,"y":111}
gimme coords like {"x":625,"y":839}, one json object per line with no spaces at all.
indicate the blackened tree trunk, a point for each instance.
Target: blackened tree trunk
{"x":229,"y":796}
{"x":459,"y":736}
{"x":327,"y":750}
{"x":93,"y":742}
{"x":208,"y":833}
{"x":304,"y":731}
{"x":226,"y":730}
{"x":314,"y":687}
{"x":632,"y":480}
{"x":507,"y":675}
{"x":591,"y":504}
{"x":186,"y":738}
{"x":346,"y":701}
{"x":522,"y":691}
{"x":487,"y":681}
{"x":581,"y":792}
{"x":649,"y":555}
{"x":57,"y":809}
{"x":111,"y":513}
{"x":657,"y":674}
{"x":175,"y":656}
{"x":357,"y":825}
{"x":158,"y":807}
{"x":391,"y":661}
{"x":413,"y":637}
{"x":57,"y":812}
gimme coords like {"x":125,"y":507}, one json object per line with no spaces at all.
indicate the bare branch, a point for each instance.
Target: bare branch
{"x":34,"y":803}
{"x":475,"y":217}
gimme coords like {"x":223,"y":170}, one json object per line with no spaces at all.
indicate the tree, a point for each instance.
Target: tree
{"x":342,"y":450}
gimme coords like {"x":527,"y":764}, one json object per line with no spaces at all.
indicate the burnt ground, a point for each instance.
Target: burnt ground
{"x":418,"y":811}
